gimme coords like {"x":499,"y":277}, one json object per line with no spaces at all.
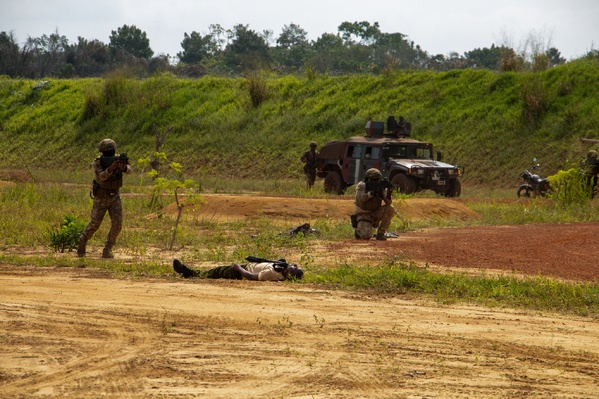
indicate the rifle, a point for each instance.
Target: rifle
{"x":279,"y":265}
{"x":377,"y":187}
{"x":107,"y":161}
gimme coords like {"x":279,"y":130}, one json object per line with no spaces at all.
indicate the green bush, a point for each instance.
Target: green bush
{"x":66,"y":236}
{"x":570,"y":187}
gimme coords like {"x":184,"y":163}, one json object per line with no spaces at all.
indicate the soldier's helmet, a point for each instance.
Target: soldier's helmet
{"x":107,"y":145}
{"x":313,"y":144}
{"x":373,"y":174}
{"x":592,"y":154}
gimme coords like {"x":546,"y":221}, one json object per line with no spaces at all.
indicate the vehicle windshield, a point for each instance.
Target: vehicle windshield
{"x":422,"y":152}
{"x":409,"y":151}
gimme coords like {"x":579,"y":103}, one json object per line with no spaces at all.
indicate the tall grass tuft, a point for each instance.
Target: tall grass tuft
{"x":93,"y":105}
{"x":257,"y":87}
{"x":536,"y":99}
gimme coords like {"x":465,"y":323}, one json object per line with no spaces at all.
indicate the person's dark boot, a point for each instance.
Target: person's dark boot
{"x":81,"y":247}
{"x":183,"y":270}
{"x":381,"y":237}
{"x":107,"y":253}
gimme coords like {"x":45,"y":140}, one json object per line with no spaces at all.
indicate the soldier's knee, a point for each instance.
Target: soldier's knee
{"x":364,"y":230}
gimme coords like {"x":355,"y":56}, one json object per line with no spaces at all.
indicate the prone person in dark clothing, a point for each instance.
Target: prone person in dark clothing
{"x":258,"y":269}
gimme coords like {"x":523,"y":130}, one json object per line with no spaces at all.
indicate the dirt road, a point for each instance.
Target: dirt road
{"x":74,"y":333}
{"x":69,"y":332}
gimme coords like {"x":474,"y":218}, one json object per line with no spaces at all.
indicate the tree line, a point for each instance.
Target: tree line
{"x":357,"y":47}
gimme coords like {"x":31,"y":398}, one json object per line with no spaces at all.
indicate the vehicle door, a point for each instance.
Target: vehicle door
{"x":360,"y":158}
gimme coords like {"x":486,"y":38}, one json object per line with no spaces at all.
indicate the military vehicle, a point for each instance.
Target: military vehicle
{"x":407,"y":163}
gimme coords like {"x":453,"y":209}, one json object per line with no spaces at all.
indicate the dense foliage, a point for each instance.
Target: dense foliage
{"x":357,"y":47}
{"x":258,"y":125}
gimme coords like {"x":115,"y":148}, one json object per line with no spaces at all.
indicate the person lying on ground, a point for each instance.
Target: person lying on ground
{"x":260,"y":270}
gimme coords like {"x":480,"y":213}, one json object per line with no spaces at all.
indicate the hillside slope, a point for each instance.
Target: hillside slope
{"x":493,"y":123}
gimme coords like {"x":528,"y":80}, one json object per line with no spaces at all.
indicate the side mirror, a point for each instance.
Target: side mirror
{"x":439,"y":156}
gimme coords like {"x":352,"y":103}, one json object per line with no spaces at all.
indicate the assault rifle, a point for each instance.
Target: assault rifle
{"x":107,"y":161}
{"x":377,"y":187}
{"x":122,"y":158}
{"x":279,"y":265}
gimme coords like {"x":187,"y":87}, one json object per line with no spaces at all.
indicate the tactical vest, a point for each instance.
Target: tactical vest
{"x":115,"y":181}
{"x":371,"y":204}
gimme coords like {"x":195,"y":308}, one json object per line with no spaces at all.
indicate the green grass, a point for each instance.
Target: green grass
{"x":397,"y":277}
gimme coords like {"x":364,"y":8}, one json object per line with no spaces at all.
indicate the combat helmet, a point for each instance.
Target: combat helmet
{"x":373,"y":174}
{"x":313,"y":144}
{"x":107,"y":145}
{"x":592,"y":154}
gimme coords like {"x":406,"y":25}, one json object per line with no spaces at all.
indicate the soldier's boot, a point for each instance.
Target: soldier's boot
{"x":183,"y":270}
{"x":107,"y":252}
{"x":380,"y":236}
{"x":81,"y":246}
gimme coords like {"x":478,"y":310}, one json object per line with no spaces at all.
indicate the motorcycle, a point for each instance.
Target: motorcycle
{"x":533,"y":185}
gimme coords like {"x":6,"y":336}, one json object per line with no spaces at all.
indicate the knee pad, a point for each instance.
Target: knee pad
{"x":364,"y":230}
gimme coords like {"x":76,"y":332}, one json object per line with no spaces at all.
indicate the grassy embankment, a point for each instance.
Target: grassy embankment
{"x":492,"y":123}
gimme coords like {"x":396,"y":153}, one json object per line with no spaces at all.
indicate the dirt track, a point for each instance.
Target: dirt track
{"x":78,"y":333}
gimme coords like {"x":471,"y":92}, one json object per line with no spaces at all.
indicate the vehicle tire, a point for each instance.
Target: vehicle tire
{"x":403,"y":184}
{"x":524,"y":192}
{"x":333,"y":183}
{"x":455,"y":189}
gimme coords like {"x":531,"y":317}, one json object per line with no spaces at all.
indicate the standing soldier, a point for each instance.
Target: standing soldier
{"x":108,"y":169}
{"x":309,"y":159}
{"x":369,"y":211}
{"x":590,"y":169}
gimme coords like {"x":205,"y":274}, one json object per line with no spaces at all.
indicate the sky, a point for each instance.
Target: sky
{"x":438,"y":26}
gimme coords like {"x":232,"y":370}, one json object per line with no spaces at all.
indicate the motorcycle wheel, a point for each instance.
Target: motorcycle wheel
{"x":524,"y":192}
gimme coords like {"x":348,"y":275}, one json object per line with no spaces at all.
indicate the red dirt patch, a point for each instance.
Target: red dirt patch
{"x":566,"y":251}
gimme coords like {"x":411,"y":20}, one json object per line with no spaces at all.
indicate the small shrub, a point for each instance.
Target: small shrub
{"x":257,"y":88}
{"x":67,"y":235}
{"x":570,"y":187}
{"x":311,"y":72}
{"x":536,"y":100}
{"x":509,"y":61}
{"x":92,"y":106}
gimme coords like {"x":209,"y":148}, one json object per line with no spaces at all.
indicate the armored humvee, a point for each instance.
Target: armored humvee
{"x":407,"y":163}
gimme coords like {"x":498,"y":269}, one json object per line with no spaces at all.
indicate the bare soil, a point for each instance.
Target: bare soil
{"x":77,"y":332}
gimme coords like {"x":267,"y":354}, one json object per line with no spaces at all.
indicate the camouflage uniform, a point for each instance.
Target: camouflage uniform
{"x":370,"y":211}
{"x":590,"y":168}
{"x":106,"y":199}
{"x":309,"y":159}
